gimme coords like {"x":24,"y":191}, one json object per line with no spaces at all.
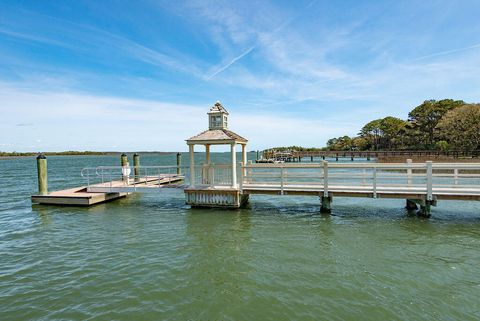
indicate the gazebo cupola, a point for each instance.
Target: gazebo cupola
{"x":217,"y":117}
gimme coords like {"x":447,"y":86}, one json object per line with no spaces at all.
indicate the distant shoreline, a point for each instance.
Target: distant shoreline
{"x":5,"y":155}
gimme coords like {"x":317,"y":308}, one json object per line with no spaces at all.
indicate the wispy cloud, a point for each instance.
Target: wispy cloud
{"x":101,"y":122}
{"x":89,"y":39}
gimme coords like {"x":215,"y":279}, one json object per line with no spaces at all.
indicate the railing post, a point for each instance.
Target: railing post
{"x":243,"y":175}
{"x":282,"y":174}
{"x":429,"y":180}
{"x":409,"y":172}
{"x":374,"y":181}
{"x":211,"y":174}
{"x":249,"y":172}
{"x":325,"y":179}
{"x":455,"y":176}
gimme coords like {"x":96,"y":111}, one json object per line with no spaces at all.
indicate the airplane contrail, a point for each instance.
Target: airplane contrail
{"x":447,"y":52}
{"x":231,"y":62}
{"x":282,"y":26}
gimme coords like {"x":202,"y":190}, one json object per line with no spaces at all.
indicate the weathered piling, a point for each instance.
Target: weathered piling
{"x":123,"y":159}
{"x":411,"y":205}
{"x":326,"y":206}
{"x":124,"y":164}
{"x":179,"y":163}
{"x":425,"y":209}
{"x":42,"y":174}
{"x":136,"y":166}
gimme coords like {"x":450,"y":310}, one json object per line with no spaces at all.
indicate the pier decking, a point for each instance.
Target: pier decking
{"x":92,"y":194}
{"x":421,"y":183}
{"x":78,"y":196}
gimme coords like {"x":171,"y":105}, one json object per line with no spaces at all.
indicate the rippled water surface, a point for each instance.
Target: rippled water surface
{"x":151,"y":257}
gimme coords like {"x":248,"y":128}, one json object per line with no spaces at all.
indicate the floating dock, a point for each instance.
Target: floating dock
{"x":104,"y":192}
{"x":78,"y":196}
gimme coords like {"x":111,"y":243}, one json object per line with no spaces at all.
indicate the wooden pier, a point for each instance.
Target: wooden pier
{"x":418,"y":183}
{"x":230,"y":185}
{"x":212,"y":185}
{"x":299,"y":156}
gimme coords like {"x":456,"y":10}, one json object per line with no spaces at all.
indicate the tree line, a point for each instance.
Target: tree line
{"x":66,"y":153}
{"x":435,"y":124}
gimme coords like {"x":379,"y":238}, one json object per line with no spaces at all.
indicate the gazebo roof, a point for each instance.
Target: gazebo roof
{"x":218,"y":108}
{"x":217,"y":136}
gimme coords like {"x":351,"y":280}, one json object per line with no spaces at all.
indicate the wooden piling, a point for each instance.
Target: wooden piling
{"x":411,"y":205}
{"x":179,"y":163}
{"x":326,"y":206}
{"x":42,"y":174}
{"x":123,"y":160}
{"x":136,"y":166}
{"x":425,"y":209}
{"x":124,"y":164}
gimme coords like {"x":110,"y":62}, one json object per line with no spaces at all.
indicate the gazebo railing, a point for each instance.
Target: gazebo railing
{"x":213,"y":175}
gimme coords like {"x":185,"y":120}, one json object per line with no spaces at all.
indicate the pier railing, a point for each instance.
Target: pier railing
{"x":426,"y":179}
{"x":422,"y":178}
{"x":115,"y":178}
{"x":211,"y":175}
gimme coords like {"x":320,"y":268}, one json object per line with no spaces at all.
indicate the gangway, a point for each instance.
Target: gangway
{"x":145,"y":179}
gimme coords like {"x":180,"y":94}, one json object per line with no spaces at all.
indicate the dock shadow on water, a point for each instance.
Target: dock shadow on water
{"x":152,"y":257}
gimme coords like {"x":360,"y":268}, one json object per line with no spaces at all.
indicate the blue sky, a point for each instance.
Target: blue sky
{"x":140,"y":75}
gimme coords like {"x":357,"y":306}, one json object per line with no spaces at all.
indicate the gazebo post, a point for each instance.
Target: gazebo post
{"x":207,"y":154}
{"x":234,"y":164}
{"x":244,"y":159}
{"x":192,"y":164}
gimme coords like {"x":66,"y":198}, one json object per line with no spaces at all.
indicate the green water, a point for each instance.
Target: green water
{"x":150,"y":257}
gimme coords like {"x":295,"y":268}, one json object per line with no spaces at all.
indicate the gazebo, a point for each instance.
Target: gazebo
{"x":212,"y":192}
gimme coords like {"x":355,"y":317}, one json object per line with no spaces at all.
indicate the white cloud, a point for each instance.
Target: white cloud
{"x":66,"y":119}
